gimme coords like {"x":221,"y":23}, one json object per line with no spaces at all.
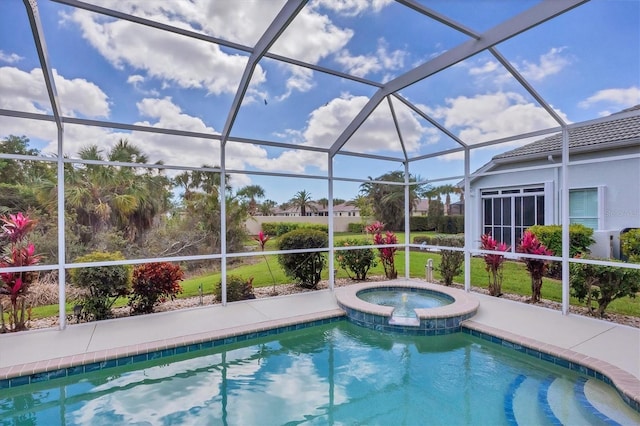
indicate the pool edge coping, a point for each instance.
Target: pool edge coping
{"x":626,"y":384}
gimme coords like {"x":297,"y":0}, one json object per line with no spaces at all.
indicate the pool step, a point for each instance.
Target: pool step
{"x":595,"y":398}
{"x":561,"y":400}
{"x":521,"y":403}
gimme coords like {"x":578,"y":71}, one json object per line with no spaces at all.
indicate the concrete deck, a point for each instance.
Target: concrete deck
{"x":608,"y":347}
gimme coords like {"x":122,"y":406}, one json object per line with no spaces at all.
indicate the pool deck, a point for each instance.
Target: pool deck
{"x":604,"y":346}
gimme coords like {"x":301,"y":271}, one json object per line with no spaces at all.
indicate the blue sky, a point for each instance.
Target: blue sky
{"x":585,"y":63}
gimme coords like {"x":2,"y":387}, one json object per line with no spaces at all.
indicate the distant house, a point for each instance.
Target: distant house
{"x":421,"y":209}
{"x":346,"y":209}
{"x":316,"y":209}
{"x":603,"y":195}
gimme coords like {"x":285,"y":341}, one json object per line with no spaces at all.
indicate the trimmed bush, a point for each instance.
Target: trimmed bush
{"x":357,"y":261}
{"x":450,"y":224}
{"x":237,"y":289}
{"x":103,"y":284}
{"x":153,"y":283}
{"x":602,"y":284}
{"x":421,"y":224}
{"x":630,"y":242}
{"x":280,"y":228}
{"x":305,"y":268}
{"x":356,"y":228}
{"x":580,"y":238}
{"x":444,"y":240}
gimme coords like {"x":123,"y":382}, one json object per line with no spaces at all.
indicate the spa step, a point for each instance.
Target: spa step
{"x":405,"y":321}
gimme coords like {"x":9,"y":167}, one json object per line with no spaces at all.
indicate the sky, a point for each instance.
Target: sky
{"x":584,"y":63}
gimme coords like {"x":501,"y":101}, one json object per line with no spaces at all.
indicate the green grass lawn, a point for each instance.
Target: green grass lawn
{"x":516,"y":279}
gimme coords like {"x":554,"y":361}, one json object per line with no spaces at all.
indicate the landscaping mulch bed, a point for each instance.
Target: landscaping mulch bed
{"x":284,"y":289}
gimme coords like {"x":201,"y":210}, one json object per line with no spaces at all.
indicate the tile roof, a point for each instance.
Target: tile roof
{"x":586,"y":138}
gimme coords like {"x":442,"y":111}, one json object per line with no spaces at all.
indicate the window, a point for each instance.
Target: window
{"x":583,"y":207}
{"x":507,"y":213}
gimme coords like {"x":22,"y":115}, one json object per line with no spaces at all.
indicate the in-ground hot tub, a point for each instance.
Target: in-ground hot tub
{"x":406,"y":306}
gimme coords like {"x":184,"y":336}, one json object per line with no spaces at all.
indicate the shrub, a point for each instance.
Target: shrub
{"x":19,"y":252}
{"x":494,"y":263}
{"x":356,"y":228}
{"x":237,"y":289}
{"x":580,"y":238}
{"x":358,"y":261}
{"x":630,"y":242}
{"x":602,"y":284}
{"x":536,"y":267}
{"x":280,"y":228}
{"x":154,"y":283}
{"x":306,"y":268}
{"x":450,"y":260}
{"x":447,"y":240}
{"x":420,"y":224}
{"x":387,"y":254}
{"x":449,"y":224}
{"x":104,"y":284}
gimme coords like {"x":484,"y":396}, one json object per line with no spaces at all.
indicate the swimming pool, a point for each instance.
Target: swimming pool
{"x":337,"y":373}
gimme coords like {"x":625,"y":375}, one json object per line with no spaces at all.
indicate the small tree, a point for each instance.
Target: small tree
{"x":357,"y":261}
{"x":387,"y":254}
{"x":493,"y":263}
{"x":153,"y":283}
{"x":19,"y":252}
{"x":602,"y":284}
{"x":103,"y":284}
{"x":262,"y":239}
{"x":630,"y":242}
{"x":450,"y":260}
{"x":237,"y":289}
{"x":306,"y":268}
{"x":536,"y":267}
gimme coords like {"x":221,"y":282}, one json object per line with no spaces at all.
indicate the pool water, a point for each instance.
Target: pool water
{"x":338,"y":374}
{"x":404,"y":301}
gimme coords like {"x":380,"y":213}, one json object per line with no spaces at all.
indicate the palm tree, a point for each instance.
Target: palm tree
{"x":267,"y":206}
{"x":447,"y":190}
{"x":302,"y":200}
{"x":251,"y":192}
{"x":125,"y":197}
{"x":388,"y":200}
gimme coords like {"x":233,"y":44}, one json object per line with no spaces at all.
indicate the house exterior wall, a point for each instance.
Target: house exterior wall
{"x":618,"y":181}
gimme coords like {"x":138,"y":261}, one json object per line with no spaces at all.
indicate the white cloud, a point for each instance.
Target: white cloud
{"x":352,"y":7}
{"x":377,"y":133}
{"x":81,"y":96}
{"x":135,"y":79}
{"x":620,"y":97}
{"x":10,"y":58}
{"x":359,"y":65}
{"x":550,"y":63}
{"x":224,"y":19}
{"x":383,"y":59}
{"x":492,"y":116}
{"x":486,"y":68}
{"x":163,"y":55}
{"x":301,"y":80}
{"x":311,"y":37}
{"x":26,"y":91}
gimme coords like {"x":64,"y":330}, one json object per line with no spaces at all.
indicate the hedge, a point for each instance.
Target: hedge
{"x":277,"y":229}
{"x":443,"y":224}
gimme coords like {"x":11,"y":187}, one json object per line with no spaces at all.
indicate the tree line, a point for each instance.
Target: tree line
{"x":131,"y":206}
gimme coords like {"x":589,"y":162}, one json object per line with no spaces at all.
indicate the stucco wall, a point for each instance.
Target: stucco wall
{"x":618,"y":178}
